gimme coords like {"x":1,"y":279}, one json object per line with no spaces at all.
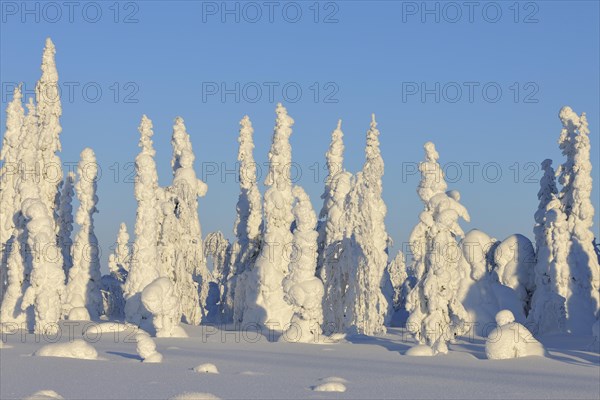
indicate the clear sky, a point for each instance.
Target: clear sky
{"x":483,"y":80}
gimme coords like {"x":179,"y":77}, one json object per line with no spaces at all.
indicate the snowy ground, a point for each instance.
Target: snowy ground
{"x":255,"y":368}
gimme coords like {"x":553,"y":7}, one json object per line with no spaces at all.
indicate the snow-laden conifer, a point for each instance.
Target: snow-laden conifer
{"x":65,"y":221}
{"x":144,"y":266}
{"x":436,"y":314}
{"x":303,"y":290}
{"x":265,"y":304}
{"x":83,"y":287}
{"x":247,"y":227}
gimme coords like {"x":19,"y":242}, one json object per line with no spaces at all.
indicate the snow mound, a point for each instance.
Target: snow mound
{"x":146,"y":348}
{"x":330,"y":387}
{"x":421,"y":350}
{"x":76,"y":349}
{"x":195,"y":396}
{"x":45,"y":395}
{"x":511,"y":340}
{"x":79,"y":314}
{"x":107,"y":327}
{"x":206,"y":368}
{"x":251,"y":373}
{"x":330,"y":379}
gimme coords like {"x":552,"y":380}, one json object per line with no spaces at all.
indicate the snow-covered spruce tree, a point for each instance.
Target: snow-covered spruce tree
{"x":548,"y":312}
{"x":331,"y":233}
{"x":367,"y":308}
{"x":20,"y":258}
{"x":265,"y":304}
{"x":218,"y":249}
{"x":335,"y":165}
{"x":83,"y":287}
{"x":118,"y":262}
{"x":47,"y":286}
{"x":303,"y":290}
{"x":15,"y":115}
{"x":65,"y":220}
{"x":436,"y":315}
{"x":398,"y":276}
{"x":546,"y":193}
{"x":583,"y":294}
{"x":49,"y":110}
{"x":113,"y":283}
{"x":180,"y":239}
{"x":247,"y":226}
{"x":144,"y":266}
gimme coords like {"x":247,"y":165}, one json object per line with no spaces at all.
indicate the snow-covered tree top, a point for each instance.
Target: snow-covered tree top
{"x":14,"y":120}
{"x":373,"y":167}
{"x":183,"y":155}
{"x":47,"y":94}
{"x":281,"y":152}
{"x":432,"y":176}
{"x":146,"y":134}
{"x":306,"y":219}
{"x":245,"y":154}
{"x":335,"y":154}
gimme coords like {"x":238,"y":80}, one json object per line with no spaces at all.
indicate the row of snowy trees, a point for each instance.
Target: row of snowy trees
{"x":289,"y":268}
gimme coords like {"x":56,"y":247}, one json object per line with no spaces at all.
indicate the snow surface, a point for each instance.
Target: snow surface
{"x":252,"y":367}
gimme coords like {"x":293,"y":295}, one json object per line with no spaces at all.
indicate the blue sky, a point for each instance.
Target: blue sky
{"x":351,"y":59}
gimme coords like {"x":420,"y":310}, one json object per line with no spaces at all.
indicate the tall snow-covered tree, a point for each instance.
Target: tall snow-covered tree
{"x":367,"y":308}
{"x":65,"y":221}
{"x":265,"y":304}
{"x":49,"y":111}
{"x":331,"y":233}
{"x":15,"y":116}
{"x":19,"y":261}
{"x":218,"y":249}
{"x":144,"y":266}
{"x":547,"y":192}
{"x":247,"y":226}
{"x":83,"y":287}
{"x":583,"y":293}
{"x":436,"y":314}
{"x":303,"y":290}
{"x":548,"y":313}
{"x":180,"y":240}
{"x":47,"y":286}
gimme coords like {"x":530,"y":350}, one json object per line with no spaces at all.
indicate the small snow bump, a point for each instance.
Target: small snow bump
{"x":330,"y":387}
{"x":45,"y":395}
{"x":195,"y":396}
{"x":206,"y":368}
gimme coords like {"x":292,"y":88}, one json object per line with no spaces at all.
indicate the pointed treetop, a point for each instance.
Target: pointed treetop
{"x":431,"y":153}
{"x":373,"y":122}
{"x":546,"y":164}
{"x":339,"y":125}
{"x":49,"y":73}
{"x":146,"y":132}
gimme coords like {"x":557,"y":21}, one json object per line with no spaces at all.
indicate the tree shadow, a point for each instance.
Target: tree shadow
{"x":125,"y":355}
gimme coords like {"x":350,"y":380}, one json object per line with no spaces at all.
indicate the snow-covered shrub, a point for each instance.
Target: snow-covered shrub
{"x":160,"y":299}
{"x":511,"y":340}
{"x":76,"y":349}
{"x":83,"y":287}
{"x":45,"y":395}
{"x":146,"y":348}
{"x":303,"y":290}
{"x":206,"y":368}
